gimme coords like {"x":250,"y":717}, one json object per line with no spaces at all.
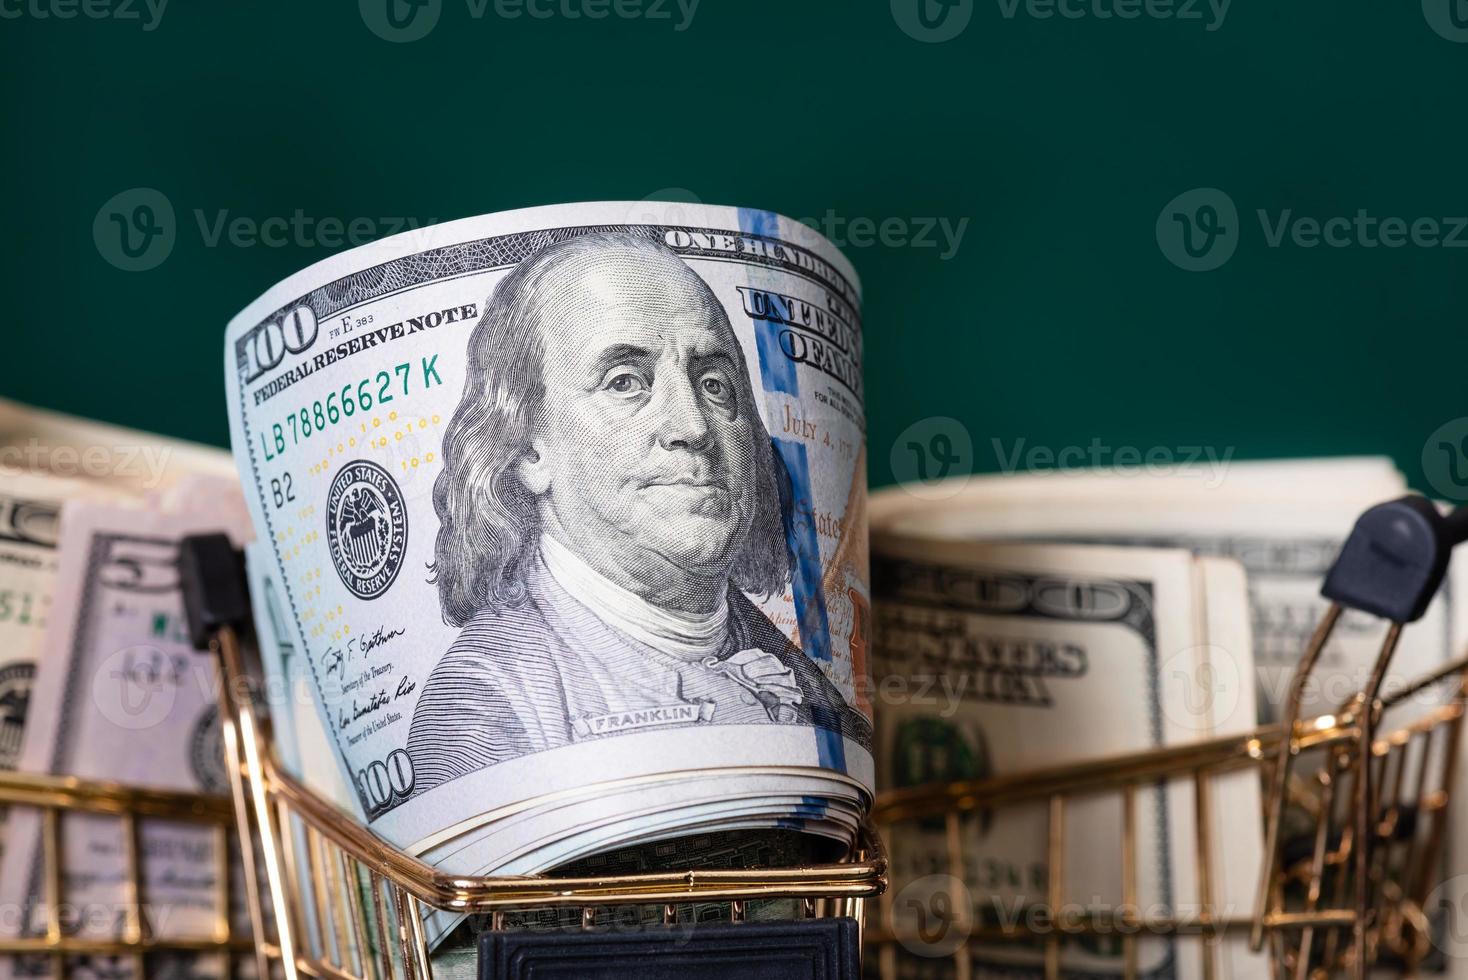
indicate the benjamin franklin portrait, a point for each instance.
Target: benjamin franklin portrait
{"x":610,"y":502}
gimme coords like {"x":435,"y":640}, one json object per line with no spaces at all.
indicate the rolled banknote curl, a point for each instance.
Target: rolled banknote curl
{"x":89,"y":600}
{"x":1282,"y":520}
{"x":566,"y":511}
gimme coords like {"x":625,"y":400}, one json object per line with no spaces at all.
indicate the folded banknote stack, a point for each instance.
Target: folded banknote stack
{"x":98,"y":678}
{"x":555,"y":525}
{"x":557,"y":539}
{"x":1029,"y":621}
{"x":560,"y":534}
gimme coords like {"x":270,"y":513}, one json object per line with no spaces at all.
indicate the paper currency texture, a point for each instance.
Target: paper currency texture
{"x":565,"y":496}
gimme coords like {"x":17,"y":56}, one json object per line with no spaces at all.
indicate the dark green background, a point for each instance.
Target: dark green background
{"x":1058,"y":321}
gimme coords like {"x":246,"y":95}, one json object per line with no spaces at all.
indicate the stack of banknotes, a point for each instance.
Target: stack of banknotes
{"x":556,"y":527}
{"x":1035,"y":620}
{"x":557,"y":542}
{"x":560,"y":530}
{"x":98,"y":678}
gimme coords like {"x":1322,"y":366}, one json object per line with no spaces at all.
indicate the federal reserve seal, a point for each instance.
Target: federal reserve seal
{"x":366,"y":528}
{"x":206,"y":752}
{"x":15,"y":696}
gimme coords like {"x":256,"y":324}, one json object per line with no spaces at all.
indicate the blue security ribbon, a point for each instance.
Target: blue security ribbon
{"x":778,"y":377}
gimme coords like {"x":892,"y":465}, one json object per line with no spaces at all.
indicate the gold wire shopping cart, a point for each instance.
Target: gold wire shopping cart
{"x":1371,"y":808}
{"x":1354,"y":816}
{"x":54,"y":797}
{"x":348,"y":906}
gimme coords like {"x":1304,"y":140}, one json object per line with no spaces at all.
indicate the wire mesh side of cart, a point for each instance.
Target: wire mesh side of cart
{"x":1328,"y":907}
{"x":61,"y":942}
{"x":350,"y":907}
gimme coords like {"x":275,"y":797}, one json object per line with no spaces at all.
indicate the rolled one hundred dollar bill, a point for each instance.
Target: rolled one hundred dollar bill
{"x":566,"y":497}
